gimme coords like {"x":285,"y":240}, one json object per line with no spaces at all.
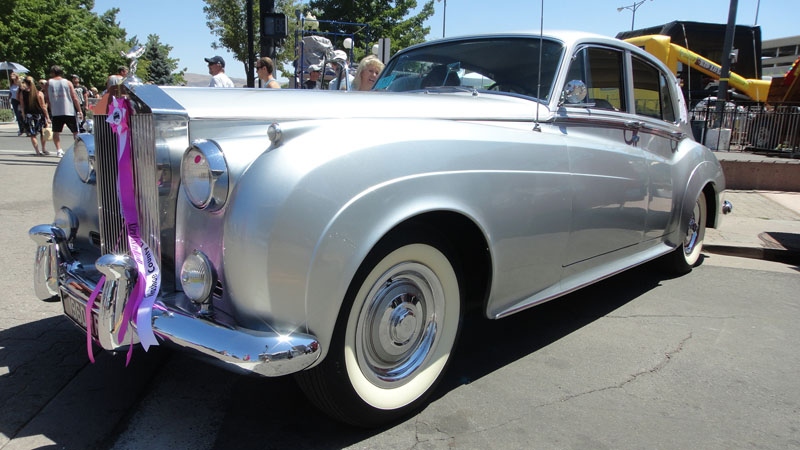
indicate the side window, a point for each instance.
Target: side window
{"x":601,"y":69}
{"x":651,"y":93}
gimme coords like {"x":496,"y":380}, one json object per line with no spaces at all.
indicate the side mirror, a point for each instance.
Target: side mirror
{"x":574,"y":92}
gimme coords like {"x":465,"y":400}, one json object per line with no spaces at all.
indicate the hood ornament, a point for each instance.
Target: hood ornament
{"x":133,"y":54}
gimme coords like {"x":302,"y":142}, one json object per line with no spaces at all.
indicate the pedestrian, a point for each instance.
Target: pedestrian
{"x":265,"y":68}
{"x":14,"y":90}
{"x":83,"y":97}
{"x":117,"y":78}
{"x":314,"y":75}
{"x":367,"y":74}
{"x":343,"y":80}
{"x":33,"y":109}
{"x":64,"y":106}
{"x":81,"y":92}
{"x":216,"y":68}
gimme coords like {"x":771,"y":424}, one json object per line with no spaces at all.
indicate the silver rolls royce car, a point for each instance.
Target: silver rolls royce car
{"x":340,"y":236}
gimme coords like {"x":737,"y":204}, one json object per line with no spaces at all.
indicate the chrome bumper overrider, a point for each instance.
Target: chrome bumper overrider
{"x":57,"y":273}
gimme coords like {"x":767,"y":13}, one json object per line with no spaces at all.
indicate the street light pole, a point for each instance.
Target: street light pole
{"x":633,"y":8}
{"x":444,"y":16}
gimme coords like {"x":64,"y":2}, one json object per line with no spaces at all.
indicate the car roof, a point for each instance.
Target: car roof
{"x":569,"y":38}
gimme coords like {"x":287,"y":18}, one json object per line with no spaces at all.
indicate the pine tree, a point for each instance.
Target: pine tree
{"x":160,"y":66}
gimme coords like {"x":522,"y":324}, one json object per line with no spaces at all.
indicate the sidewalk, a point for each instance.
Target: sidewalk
{"x":763,"y":225}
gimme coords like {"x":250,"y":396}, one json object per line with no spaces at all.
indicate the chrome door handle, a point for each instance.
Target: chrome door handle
{"x":634,"y":124}
{"x":678,"y":135}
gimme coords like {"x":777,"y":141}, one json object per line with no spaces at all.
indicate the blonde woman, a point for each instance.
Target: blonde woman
{"x":34,"y":110}
{"x":367,"y":74}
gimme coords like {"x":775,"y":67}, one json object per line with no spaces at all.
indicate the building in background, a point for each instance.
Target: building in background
{"x":777,"y":55}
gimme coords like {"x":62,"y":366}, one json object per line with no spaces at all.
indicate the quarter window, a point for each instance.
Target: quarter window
{"x":651,"y":93}
{"x":601,"y":70}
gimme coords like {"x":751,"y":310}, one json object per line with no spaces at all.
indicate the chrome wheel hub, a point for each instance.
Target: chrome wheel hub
{"x":398,"y":324}
{"x":692,"y":231}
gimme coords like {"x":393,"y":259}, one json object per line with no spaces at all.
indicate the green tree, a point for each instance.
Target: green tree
{"x":156,"y":66}
{"x":227,"y":20}
{"x":40,"y":33}
{"x":386,"y":18}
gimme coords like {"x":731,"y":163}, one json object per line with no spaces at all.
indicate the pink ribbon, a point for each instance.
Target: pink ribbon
{"x":140,"y":304}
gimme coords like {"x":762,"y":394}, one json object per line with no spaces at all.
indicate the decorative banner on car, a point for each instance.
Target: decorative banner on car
{"x":140,"y":304}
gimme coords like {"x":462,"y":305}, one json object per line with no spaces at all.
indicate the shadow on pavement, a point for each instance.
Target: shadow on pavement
{"x":275,"y":414}
{"x":30,"y":160}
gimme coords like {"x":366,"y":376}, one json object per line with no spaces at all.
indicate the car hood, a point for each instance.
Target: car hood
{"x":296,"y":104}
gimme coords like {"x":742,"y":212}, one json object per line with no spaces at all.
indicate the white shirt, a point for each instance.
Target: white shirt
{"x":221,"y":80}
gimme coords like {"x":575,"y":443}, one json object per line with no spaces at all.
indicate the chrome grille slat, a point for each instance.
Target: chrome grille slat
{"x":112,"y":231}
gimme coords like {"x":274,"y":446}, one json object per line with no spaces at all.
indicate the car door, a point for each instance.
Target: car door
{"x":609,"y":177}
{"x":655,"y":107}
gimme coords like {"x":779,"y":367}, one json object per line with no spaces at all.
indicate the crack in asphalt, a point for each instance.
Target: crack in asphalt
{"x":631,"y":378}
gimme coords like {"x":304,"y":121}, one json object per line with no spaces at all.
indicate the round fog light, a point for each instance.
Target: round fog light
{"x":197,"y":277}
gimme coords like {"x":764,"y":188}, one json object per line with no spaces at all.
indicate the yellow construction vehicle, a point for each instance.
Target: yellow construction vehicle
{"x":671,"y":54}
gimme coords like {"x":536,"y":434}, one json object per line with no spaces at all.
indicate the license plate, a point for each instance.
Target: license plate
{"x":76,"y":311}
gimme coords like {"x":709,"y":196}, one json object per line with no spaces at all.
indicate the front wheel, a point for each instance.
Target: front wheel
{"x":393,"y":342}
{"x":688,"y":254}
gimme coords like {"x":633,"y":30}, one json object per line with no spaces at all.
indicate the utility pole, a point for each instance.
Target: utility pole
{"x":727,"y":47}
{"x":251,"y":56}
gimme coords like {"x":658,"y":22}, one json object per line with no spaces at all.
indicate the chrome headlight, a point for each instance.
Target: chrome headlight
{"x":204,"y":175}
{"x":197,"y":277}
{"x":83,"y":157}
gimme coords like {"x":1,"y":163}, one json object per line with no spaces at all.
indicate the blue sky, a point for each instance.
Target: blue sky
{"x":182,"y":23}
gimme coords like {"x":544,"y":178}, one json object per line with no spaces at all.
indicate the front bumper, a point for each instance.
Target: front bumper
{"x":58,"y":275}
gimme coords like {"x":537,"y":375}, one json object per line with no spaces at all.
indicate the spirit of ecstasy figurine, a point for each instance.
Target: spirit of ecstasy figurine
{"x":133,"y":54}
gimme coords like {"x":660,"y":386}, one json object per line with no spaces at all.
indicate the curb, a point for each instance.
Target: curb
{"x":768,"y":254}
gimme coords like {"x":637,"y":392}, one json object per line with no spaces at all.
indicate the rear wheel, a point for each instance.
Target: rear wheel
{"x":394,"y":335}
{"x":688,"y":254}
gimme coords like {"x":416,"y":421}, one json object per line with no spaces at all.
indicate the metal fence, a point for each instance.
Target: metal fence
{"x":748,"y":126}
{"x":5,"y":103}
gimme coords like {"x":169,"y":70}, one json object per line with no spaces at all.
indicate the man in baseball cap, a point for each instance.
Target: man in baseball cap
{"x":314,"y":74}
{"x":339,"y":65}
{"x":216,"y":68}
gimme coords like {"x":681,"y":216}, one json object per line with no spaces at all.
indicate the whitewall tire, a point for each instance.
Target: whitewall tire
{"x":394,"y":336}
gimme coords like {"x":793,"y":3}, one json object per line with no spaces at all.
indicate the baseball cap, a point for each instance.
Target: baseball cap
{"x":216,"y":60}
{"x":314,"y":68}
{"x":339,"y":56}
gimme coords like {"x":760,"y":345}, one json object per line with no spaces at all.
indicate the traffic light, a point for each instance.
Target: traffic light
{"x":273,"y":27}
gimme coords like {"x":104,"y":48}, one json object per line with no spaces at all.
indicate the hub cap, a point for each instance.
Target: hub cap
{"x":693,"y":230}
{"x":397,"y":328}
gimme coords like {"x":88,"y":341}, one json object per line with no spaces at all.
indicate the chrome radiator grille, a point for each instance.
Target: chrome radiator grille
{"x":112,"y":227}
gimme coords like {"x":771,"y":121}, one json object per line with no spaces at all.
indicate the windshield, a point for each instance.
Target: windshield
{"x":497,"y":64}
